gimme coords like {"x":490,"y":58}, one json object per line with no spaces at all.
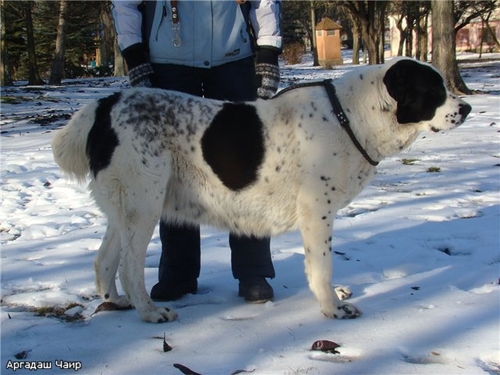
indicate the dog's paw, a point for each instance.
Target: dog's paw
{"x":121,"y":302}
{"x":159,"y":315}
{"x":343,"y":292}
{"x":343,"y":311}
{"x":346,"y":311}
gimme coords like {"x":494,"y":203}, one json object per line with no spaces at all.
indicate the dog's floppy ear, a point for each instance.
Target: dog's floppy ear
{"x":398,"y":81}
{"x":417,"y":88}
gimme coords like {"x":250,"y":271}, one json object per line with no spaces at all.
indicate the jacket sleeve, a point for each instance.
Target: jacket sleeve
{"x":128,"y":22}
{"x":265,"y":16}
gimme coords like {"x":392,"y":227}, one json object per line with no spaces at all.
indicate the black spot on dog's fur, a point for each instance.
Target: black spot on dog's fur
{"x":102,"y":139}
{"x":418,"y":89}
{"x":233,"y":145}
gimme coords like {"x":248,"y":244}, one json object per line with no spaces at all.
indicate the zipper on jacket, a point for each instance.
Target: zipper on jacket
{"x":163,"y":16}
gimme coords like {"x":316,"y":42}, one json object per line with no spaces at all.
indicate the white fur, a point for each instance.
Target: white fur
{"x":311,"y":169}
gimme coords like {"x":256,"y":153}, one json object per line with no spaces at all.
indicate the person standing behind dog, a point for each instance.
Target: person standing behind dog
{"x":204,"y":48}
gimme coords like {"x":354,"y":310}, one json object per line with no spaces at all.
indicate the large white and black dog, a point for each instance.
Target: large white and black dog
{"x":257,"y":168}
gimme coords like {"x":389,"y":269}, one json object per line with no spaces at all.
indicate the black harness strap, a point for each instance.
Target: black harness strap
{"x":337,"y":110}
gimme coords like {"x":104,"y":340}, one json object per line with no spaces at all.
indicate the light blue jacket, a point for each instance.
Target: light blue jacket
{"x":212,"y":32}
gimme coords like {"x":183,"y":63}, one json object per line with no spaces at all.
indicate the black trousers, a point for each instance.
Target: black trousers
{"x":180,"y":258}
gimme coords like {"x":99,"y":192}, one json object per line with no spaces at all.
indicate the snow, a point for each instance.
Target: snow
{"x":419,"y":249}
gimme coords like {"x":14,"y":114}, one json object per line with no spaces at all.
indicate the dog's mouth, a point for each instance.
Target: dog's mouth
{"x":455,"y":119}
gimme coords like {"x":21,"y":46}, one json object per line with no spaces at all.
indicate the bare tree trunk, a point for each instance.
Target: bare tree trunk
{"x":313,"y":39}
{"x":402,"y":33}
{"x":363,"y":13}
{"x":5,"y":66}
{"x":119,"y":65}
{"x":368,"y":30}
{"x":490,"y":30}
{"x":57,"y":73}
{"x":356,"y":38}
{"x":120,"y":68}
{"x":418,"y":29}
{"x":106,"y":45}
{"x":34,"y":76}
{"x":423,"y":38}
{"x":381,"y":31}
{"x":410,"y":19}
{"x":444,"y":45}
{"x":370,"y":33}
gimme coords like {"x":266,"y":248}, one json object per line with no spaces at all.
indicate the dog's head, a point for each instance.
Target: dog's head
{"x":422,"y":97}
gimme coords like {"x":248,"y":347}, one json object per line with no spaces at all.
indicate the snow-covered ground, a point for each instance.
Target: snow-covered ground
{"x":419,"y":248}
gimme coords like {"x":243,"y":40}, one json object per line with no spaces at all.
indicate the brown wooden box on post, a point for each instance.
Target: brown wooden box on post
{"x":328,"y":43}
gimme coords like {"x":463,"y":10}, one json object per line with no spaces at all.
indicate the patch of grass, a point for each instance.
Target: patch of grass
{"x":409,"y":161}
{"x":59,"y":312}
{"x":50,"y":118}
{"x":14,"y":99}
{"x":25,"y":99}
{"x":433,"y":170}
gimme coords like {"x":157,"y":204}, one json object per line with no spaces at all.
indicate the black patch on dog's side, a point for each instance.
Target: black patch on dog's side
{"x":233,"y":145}
{"x":102,"y":139}
{"x":418,"y":89}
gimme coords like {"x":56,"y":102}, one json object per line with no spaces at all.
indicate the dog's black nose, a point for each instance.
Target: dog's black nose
{"x":464,"y":110}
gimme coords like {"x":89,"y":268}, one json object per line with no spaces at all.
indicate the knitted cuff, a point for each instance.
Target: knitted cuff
{"x":268,"y":80}
{"x":139,"y":76}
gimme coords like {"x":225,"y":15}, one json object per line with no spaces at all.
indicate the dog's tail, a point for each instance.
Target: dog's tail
{"x":69,"y":144}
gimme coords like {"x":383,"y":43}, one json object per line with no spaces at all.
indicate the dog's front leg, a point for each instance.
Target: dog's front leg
{"x":316,"y":230}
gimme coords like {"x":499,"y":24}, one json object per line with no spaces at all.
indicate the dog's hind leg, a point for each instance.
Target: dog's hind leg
{"x":106,"y":265}
{"x":141,"y":206}
{"x":135,"y":241}
{"x":316,"y":229}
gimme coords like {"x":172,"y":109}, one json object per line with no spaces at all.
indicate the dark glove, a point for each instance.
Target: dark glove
{"x":267,"y":71}
{"x":140,"y":70}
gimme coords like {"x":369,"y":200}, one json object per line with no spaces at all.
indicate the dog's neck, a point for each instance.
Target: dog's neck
{"x":344,"y":121}
{"x":337,"y":110}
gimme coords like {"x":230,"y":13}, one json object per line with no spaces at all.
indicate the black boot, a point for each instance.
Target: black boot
{"x":256,"y":290}
{"x":172,"y":290}
{"x":179,"y":266}
{"x":251,"y":263}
